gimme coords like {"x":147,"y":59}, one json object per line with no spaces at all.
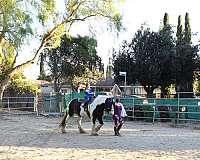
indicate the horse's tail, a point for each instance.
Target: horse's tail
{"x":63,"y":122}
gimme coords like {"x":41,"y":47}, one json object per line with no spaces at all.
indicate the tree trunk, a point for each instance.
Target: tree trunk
{"x":1,"y":96}
{"x":55,"y":85}
{"x":3,"y":84}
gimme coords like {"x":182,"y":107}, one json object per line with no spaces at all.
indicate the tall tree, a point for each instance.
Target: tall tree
{"x":190,"y":54}
{"x":167,"y":77}
{"x":185,"y":55}
{"x":16,"y":26}
{"x":188,"y":34}
{"x":179,"y":46}
{"x":166,"y":20}
{"x":179,"y":33}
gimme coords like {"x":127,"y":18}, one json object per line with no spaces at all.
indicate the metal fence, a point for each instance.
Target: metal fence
{"x":20,"y":104}
{"x":176,"y":110}
{"x":44,"y":104}
{"x":51,"y":104}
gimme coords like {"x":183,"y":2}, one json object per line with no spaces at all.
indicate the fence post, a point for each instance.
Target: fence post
{"x":8,"y":104}
{"x":154,"y":109}
{"x":178,"y":108}
{"x":133,"y":112}
{"x":50,"y":101}
{"x":61,"y":102}
{"x":36,"y":105}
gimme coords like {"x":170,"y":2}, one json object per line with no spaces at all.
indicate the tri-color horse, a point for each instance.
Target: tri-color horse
{"x":95,"y":111}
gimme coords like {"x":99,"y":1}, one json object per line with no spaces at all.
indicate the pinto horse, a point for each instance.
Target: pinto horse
{"x":95,"y":111}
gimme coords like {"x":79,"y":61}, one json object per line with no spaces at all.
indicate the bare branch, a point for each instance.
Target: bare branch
{"x":48,"y":37}
{"x":15,"y":59}
{"x":77,"y":7}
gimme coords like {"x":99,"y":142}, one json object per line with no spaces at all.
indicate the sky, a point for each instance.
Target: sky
{"x":135,"y":13}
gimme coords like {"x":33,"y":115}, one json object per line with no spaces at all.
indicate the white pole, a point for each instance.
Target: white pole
{"x":125,"y":84}
{"x":125,"y":81}
{"x":178,"y":108}
{"x":8,"y":104}
{"x":36,"y":104}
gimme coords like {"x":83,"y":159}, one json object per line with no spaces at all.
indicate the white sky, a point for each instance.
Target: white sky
{"x":136,"y":12}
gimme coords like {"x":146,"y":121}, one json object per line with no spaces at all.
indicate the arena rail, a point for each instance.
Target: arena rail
{"x":20,"y":105}
{"x":176,"y":110}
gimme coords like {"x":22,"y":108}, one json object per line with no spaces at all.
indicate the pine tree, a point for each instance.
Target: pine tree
{"x":189,"y":55}
{"x":184,"y":57}
{"x":187,"y":38}
{"x":166,"y":20}
{"x":179,"y":33}
{"x":166,"y":78}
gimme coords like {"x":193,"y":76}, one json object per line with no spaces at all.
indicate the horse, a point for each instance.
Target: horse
{"x":94,"y":111}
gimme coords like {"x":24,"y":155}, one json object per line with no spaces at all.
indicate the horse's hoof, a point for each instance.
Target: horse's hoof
{"x":118,"y":134}
{"x":83,"y":132}
{"x":94,"y":134}
{"x":63,"y":131}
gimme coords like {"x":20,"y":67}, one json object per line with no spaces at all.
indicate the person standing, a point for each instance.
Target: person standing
{"x":119,"y":113}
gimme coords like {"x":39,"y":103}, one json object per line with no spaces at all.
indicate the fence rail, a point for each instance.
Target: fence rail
{"x":176,"y":110}
{"x":149,"y":109}
{"x":28,"y":104}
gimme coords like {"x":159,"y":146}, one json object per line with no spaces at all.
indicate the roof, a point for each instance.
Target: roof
{"x":105,"y":82}
{"x":116,"y":90}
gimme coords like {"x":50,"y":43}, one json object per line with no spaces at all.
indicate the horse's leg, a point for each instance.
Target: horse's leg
{"x":100,"y":124}
{"x":81,"y":130}
{"x":64,"y":121}
{"x":93,"y":133}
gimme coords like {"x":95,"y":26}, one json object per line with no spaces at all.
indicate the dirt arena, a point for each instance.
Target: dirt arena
{"x":38,"y":138}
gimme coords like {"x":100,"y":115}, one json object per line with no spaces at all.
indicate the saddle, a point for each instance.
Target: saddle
{"x":85,"y":104}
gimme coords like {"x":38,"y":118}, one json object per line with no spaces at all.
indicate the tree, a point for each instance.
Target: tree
{"x":185,"y":57}
{"x":166,"y":20}
{"x":153,"y":52}
{"x":124,"y":60}
{"x":147,"y":49}
{"x":188,"y":34}
{"x":42,"y":75}
{"x":19,"y":85}
{"x":16,"y":26}
{"x":167,"y":73}
{"x":145,"y":58}
{"x":179,"y":44}
{"x":179,"y":33}
{"x":71,"y":59}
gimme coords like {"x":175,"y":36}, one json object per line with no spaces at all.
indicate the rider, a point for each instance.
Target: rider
{"x":88,"y":94}
{"x":88,"y":98}
{"x":118,"y":115}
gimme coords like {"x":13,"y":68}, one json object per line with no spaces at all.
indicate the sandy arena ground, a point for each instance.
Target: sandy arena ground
{"x":38,"y":138}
